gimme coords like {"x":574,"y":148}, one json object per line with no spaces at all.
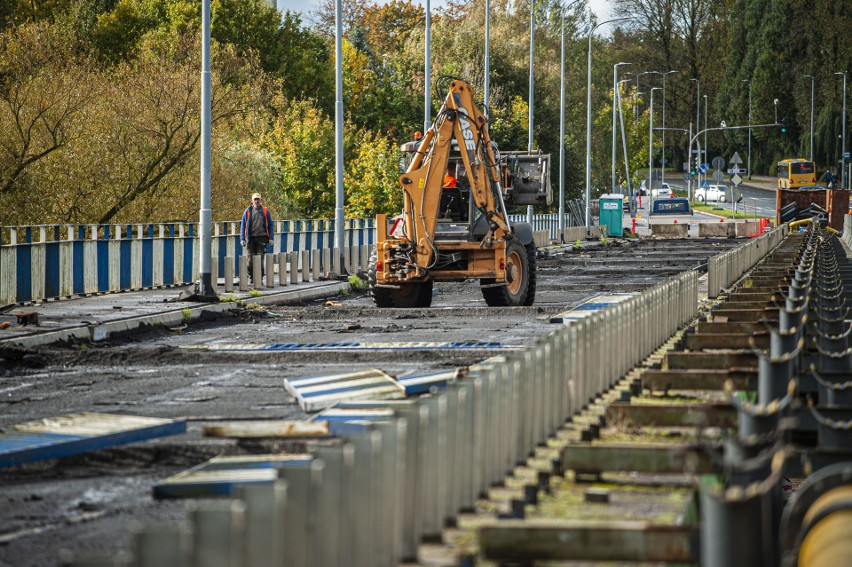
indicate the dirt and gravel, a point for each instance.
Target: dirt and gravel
{"x":91,"y":502}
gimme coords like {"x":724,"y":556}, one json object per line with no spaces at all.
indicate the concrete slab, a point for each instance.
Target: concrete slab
{"x":97,"y":317}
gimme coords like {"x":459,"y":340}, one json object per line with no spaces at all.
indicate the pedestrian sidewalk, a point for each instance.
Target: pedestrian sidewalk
{"x":97,"y":317}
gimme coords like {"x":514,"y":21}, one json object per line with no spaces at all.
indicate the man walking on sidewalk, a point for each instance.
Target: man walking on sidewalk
{"x":256,"y":229}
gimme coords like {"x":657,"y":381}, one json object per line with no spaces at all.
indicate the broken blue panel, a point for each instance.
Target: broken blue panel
{"x":221,"y":476}
{"x":319,"y":392}
{"x":592,"y":305}
{"x":72,"y":434}
{"x":423,"y":383}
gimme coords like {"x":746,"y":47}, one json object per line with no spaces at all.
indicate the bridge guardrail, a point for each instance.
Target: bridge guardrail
{"x":457,"y":442}
{"x":55,"y":261}
{"x":725,"y":268}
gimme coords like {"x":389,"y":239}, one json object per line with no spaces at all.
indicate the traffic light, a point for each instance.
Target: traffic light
{"x":783,"y":125}
{"x":693,"y":171}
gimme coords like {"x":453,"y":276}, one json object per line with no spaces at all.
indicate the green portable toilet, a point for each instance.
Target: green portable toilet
{"x":611,"y":213}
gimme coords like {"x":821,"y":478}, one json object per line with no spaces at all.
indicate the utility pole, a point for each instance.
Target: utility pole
{"x":663,"y":160}
{"x":811,"y":77}
{"x":614,"y":94}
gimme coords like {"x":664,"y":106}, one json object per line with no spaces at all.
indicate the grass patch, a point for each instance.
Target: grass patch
{"x":187,"y":314}
{"x":727,"y":213}
{"x":229,"y":299}
{"x":255,"y":293}
{"x":357,"y":283}
{"x":577,"y":246}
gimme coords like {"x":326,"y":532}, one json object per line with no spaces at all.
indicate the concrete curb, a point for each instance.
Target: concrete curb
{"x":172,"y":317}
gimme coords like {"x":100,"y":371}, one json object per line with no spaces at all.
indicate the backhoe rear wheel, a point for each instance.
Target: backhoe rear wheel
{"x":418,"y":294}
{"x":520,"y":278}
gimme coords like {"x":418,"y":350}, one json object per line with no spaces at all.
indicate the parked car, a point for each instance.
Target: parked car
{"x":662,"y":192}
{"x":714,"y":193}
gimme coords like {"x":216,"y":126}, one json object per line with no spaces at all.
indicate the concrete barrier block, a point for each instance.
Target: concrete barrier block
{"x":716,"y":230}
{"x":747,"y":228}
{"x":670,"y":230}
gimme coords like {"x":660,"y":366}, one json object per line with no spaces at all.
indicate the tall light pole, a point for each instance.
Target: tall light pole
{"x":811,"y":77}
{"x":427,"y":71}
{"x":697,"y":113}
{"x":706,"y":108}
{"x":624,"y":136}
{"x":663,"y":164}
{"x":205,"y":214}
{"x":636,"y":105}
{"x":532,"y":91}
{"x":592,"y":29}
{"x":562,"y":128}
{"x":339,"y":209}
{"x":614,"y":87}
{"x":486,"y":91}
{"x":748,"y":159}
{"x":843,"y":143}
{"x":775,"y":104}
{"x":651,"y":143}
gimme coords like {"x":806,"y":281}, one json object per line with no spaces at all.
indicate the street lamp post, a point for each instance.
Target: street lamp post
{"x":562,"y":129}
{"x":843,"y":142}
{"x":427,"y":71}
{"x":624,"y":136}
{"x":663,"y":160}
{"x":706,"y":108}
{"x":532,"y":91}
{"x":811,"y":77}
{"x":697,"y":115}
{"x":614,"y":87}
{"x":636,"y":95}
{"x":748,"y":159}
{"x":589,"y":122}
{"x":205,"y":214}
{"x":775,"y":103}
{"x":651,"y":145}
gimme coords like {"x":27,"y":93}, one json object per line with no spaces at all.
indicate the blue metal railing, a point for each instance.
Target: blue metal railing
{"x":54,"y":261}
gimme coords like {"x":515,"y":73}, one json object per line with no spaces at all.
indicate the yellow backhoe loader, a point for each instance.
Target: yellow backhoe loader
{"x":454,"y":224}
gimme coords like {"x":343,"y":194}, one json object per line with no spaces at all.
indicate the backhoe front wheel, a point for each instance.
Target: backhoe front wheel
{"x":520,"y":278}
{"x":417,"y":294}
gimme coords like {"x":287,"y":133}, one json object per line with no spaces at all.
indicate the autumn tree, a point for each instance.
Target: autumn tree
{"x":44,"y":86}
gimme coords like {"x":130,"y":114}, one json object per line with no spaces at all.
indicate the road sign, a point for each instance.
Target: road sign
{"x":718,"y":162}
{"x":733,"y":170}
{"x":702,"y":169}
{"x":736,"y":159}
{"x":736,"y":180}
{"x":718,"y":175}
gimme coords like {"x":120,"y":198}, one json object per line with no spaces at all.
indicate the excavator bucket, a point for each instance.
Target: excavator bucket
{"x":528,"y":178}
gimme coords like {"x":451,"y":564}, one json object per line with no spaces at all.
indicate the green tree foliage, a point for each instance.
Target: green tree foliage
{"x":99,"y":98}
{"x":44,"y":88}
{"x":301,"y":140}
{"x":371,"y":172}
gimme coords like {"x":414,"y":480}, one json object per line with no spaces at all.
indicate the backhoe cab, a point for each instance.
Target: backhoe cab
{"x":454,"y":224}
